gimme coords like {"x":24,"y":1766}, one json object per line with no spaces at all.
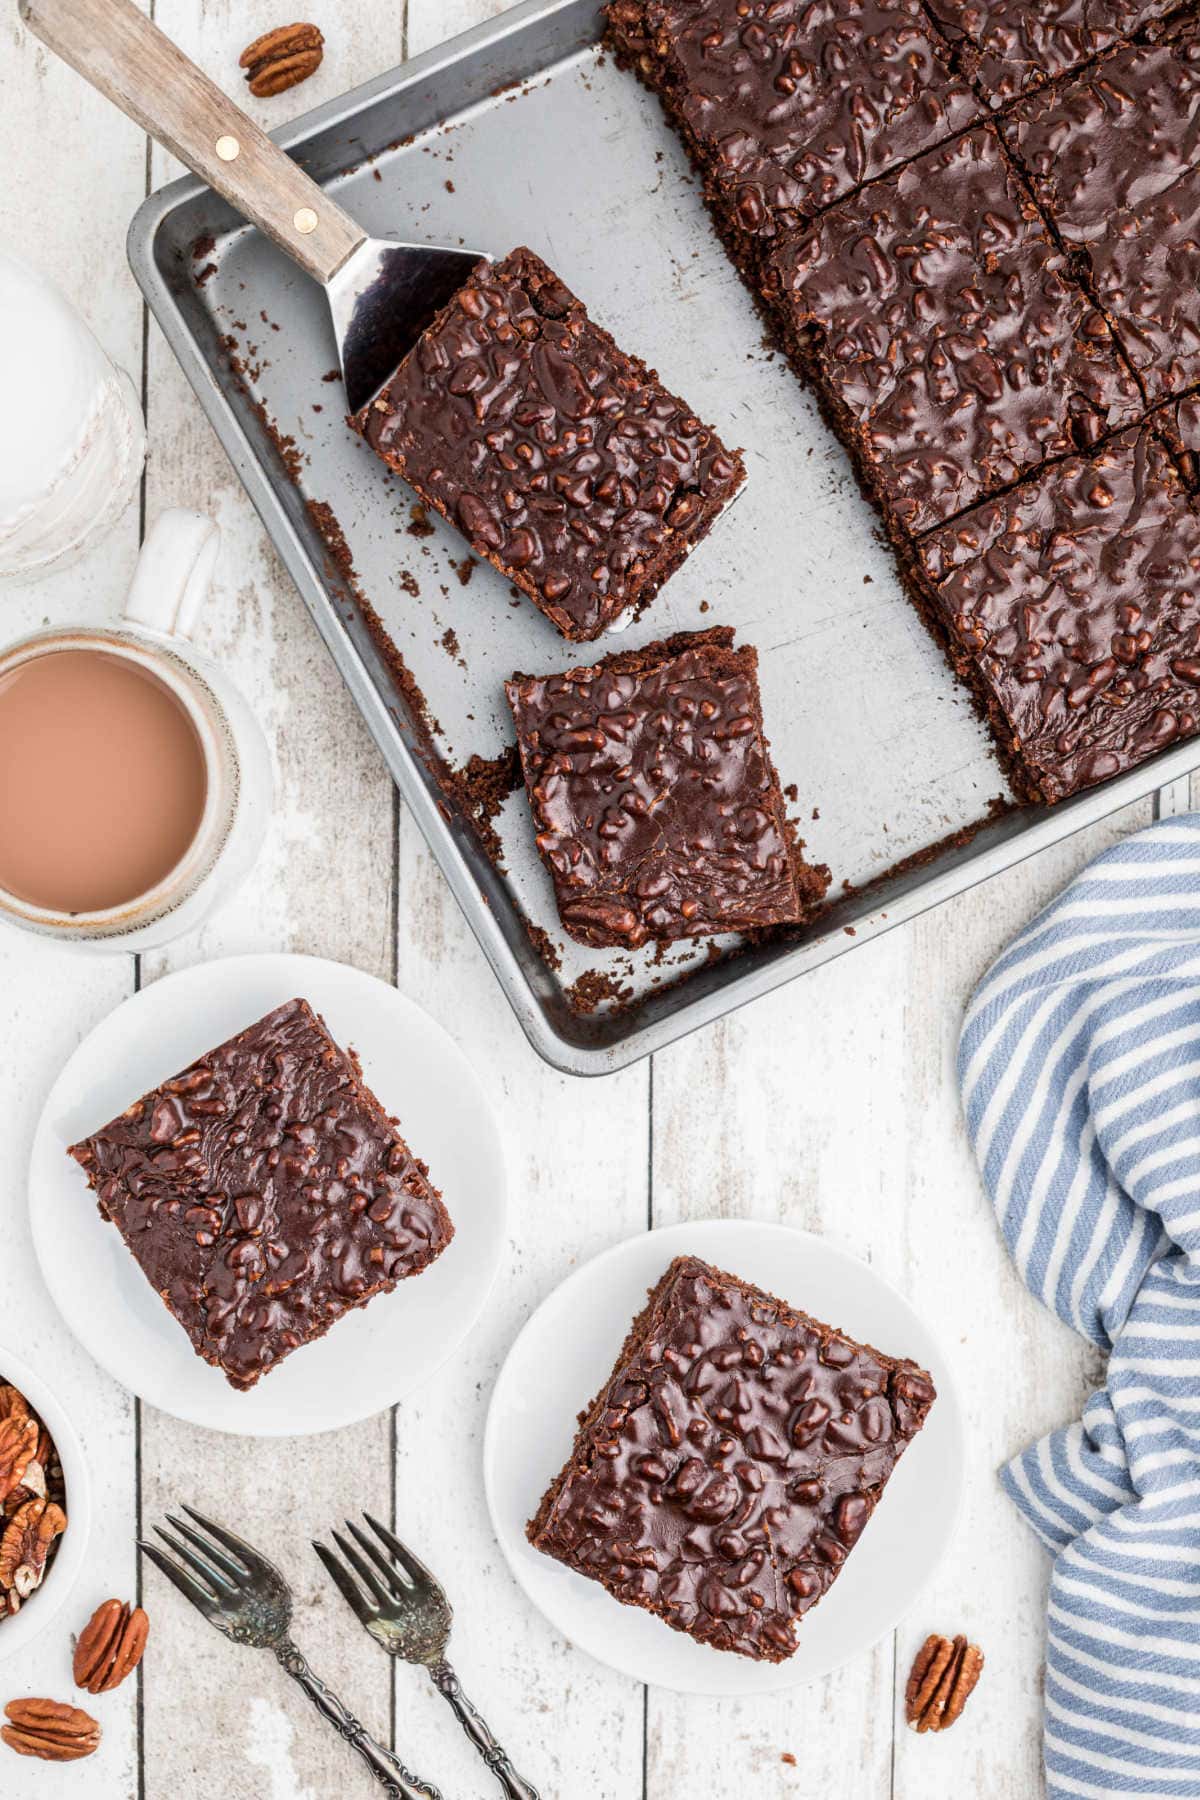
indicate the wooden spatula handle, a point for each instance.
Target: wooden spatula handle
{"x":125,"y":56}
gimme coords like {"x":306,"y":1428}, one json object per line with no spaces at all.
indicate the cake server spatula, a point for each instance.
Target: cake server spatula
{"x":381,"y":293}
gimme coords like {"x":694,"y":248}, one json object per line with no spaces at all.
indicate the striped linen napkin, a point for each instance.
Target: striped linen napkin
{"x":1080,"y":1071}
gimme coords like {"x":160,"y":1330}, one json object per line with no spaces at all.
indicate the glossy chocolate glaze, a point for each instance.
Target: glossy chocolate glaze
{"x":1073,"y":605}
{"x":565,"y":462}
{"x":944,"y":325}
{"x":1146,"y":276}
{"x":728,"y":1467}
{"x":1179,"y":423}
{"x":264,"y":1192}
{"x":789,"y":104}
{"x":1114,"y":158}
{"x":1114,"y":138}
{"x":656,"y":807}
{"x":1009,"y":46}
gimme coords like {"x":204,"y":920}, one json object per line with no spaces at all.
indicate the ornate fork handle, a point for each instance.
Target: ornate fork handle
{"x":476,"y":1728}
{"x":387,"y":1769}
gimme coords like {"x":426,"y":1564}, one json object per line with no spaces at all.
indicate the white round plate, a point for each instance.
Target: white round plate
{"x":565,"y":1354}
{"x":374,"y":1354}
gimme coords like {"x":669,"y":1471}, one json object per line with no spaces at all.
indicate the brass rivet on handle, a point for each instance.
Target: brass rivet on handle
{"x":227,"y":148}
{"x":305,"y":220}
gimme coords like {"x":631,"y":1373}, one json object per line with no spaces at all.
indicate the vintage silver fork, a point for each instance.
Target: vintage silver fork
{"x":245,"y":1597}
{"x":406,"y":1610}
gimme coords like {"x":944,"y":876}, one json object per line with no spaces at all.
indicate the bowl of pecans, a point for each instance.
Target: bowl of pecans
{"x":45,"y":1504}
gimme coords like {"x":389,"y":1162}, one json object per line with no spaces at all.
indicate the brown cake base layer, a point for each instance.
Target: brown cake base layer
{"x":632,"y":51}
{"x":747,"y":255}
{"x":799,"y":351}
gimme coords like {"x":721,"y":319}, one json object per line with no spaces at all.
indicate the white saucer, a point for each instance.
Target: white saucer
{"x":374,"y":1355}
{"x":564,"y":1355}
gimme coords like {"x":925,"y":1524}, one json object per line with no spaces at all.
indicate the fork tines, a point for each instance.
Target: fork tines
{"x":384,"y":1580}
{"x":222,"y":1561}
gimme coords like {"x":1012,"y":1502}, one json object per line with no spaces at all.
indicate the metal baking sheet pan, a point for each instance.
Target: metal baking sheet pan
{"x":523,"y":131}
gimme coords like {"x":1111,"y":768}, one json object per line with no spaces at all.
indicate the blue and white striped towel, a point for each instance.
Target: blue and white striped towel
{"x":1080,"y":1072}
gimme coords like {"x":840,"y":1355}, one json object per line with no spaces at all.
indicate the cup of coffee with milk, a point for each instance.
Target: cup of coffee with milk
{"x":135,"y":783}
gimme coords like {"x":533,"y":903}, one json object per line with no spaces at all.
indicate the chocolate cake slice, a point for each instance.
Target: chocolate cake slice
{"x":657,"y":810}
{"x":1069,"y":606}
{"x":565,"y":462}
{"x":265,"y":1192}
{"x":729,"y":1465}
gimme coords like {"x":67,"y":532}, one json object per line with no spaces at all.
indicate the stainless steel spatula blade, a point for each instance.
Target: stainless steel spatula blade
{"x":381,"y":300}
{"x":381,"y":294}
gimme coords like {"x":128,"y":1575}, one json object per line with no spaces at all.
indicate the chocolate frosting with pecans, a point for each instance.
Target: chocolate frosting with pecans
{"x":944,"y":325}
{"x":657,"y":810}
{"x":264,"y":1193}
{"x":727,"y":1469}
{"x":1073,"y":603}
{"x":788,"y":104}
{"x":1114,"y":158}
{"x":565,"y":462}
{"x":1113,"y":139}
{"x":1007,"y":46}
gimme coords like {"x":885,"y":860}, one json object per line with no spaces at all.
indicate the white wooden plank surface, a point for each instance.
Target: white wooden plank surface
{"x":73,"y":229}
{"x":830,"y":1105}
{"x":323,"y":885}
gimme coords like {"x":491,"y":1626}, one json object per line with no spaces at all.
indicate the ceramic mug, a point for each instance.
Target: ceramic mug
{"x":169,"y":586}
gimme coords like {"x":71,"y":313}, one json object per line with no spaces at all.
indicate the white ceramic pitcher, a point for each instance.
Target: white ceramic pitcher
{"x":72,"y":439}
{"x":169,"y":586}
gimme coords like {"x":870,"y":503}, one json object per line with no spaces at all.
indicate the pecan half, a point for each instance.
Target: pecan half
{"x":282,"y":58}
{"x":110,"y":1647}
{"x":33,"y":1481}
{"x":26,"y":1543}
{"x":49,"y":1729}
{"x":942,"y":1681}
{"x":18,"y":1446}
{"x":13,"y":1404}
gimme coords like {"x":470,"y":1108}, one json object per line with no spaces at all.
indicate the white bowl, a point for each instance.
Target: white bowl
{"x":44,"y":1602}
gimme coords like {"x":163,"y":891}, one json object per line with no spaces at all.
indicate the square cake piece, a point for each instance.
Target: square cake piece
{"x":1009,"y":46}
{"x":728,"y":1466}
{"x":265,"y":1192}
{"x":941,"y":324}
{"x":657,"y":810}
{"x":1071,"y":606}
{"x":1114,"y":158}
{"x":565,"y":462}
{"x":786,"y":105}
